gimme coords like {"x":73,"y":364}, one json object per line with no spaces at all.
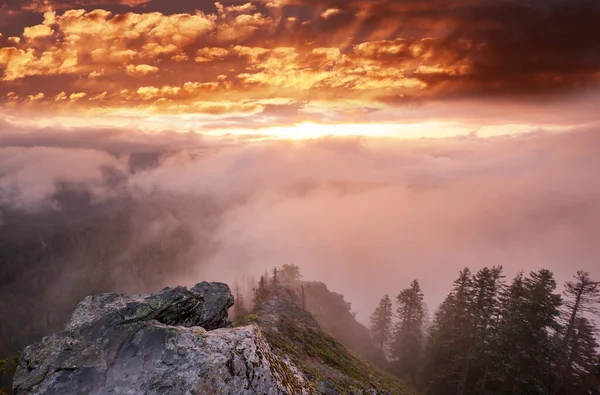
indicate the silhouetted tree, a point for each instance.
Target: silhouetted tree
{"x":446,"y":341}
{"x":581,"y":360}
{"x":483,"y":308}
{"x":408,"y":332}
{"x":274,"y":285}
{"x":523,"y":348}
{"x":289,"y":274}
{"x":580,"y":297}
{"x":261,"y":292}
{"x":381,"y":322}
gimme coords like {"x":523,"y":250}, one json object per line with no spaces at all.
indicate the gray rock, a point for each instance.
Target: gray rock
{"x":326,"y":387}
{"x":176,"y":341}
{"x":216,"y":296}
{"x":205,"y":305}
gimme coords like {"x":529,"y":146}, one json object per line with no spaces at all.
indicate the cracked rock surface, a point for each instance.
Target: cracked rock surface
{"x":176,"y":341}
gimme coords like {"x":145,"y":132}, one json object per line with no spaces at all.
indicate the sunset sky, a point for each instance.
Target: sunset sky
{"x":300,"y":68}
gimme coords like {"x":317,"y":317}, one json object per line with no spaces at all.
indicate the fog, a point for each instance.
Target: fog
{"x":365,"y":216}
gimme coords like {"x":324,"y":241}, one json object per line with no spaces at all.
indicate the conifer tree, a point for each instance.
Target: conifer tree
{"x":274,"y":285}
{"x":289,"y":274}
{"x":483,"y":306}
{"x":446,"y":341}
{"x":408,"y":332}
{"x":581,"y":296}
{"x":524,"y":349}
{"x":261,"y":293}
{"x":267,"y":277}
{"x":581,"y":360}
{"x":381,"y":322}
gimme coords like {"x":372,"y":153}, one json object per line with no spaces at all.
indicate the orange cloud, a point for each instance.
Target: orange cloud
{"x":61,"y":96}
{"x":288,"y":68}
{"x":240,"y":22}
{"x":152,"y":50}
{"x":353,"y":51}
{"x":37,"y":31}
{"x":20,"y":63}
{"x":140,"y":69}
{"x":330,"y":12}
{"x":77,"y":96}
{"x":37,"y":97}
{"x":102,"y":38}
{"x":204,"y":55}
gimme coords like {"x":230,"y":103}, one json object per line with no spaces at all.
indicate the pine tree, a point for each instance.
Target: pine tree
{"x":289,"y":274}
{"x":524,"y":349}
{"x":267,"y":277}
{"x":457,"y":356}
{"x":261,"y":293}
{"x":381,"y":322}
{"x":446,"y":341}
{"x":483,"y":305}
{"x":581,"y":359}
{"x":274,"y":284}
{"x":408,"y":332}
{"x":581,"y":296}
{"x":508,"y":335}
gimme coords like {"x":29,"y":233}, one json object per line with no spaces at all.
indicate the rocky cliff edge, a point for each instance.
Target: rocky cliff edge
{"x":176,"y":341}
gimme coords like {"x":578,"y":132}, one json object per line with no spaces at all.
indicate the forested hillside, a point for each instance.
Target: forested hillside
{"x":490,"y":336}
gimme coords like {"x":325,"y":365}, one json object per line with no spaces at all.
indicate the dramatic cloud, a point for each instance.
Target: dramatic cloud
{"x":380,"y":52}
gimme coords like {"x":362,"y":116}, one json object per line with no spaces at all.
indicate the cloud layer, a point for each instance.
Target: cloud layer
{"x":365,"y":216}
{"x":107,"y":57}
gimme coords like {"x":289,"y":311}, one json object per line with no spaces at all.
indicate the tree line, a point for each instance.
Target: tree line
{"x":493,"y":337}
{"x":254,"y":292}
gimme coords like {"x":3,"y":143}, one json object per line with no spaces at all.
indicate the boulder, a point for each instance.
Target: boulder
{"x":205,"y":305}
{"x":176,"y":341}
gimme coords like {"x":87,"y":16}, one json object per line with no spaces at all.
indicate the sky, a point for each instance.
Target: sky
{"x":369,"y":141}
{"x":285,"y":68}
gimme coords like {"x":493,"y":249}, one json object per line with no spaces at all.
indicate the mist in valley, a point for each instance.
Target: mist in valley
{"x":364,"y":216}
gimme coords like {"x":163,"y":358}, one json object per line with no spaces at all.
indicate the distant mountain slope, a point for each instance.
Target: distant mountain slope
{"x":334,"y":315}
{"x":326,"y":363}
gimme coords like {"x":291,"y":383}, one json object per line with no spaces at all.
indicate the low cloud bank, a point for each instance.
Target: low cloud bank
{"x":365,"y":216}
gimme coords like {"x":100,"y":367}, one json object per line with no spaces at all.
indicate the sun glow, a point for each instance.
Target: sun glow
{"x":310,"y":130}
{"x":201,"y":126}
{"x":429,"y":129}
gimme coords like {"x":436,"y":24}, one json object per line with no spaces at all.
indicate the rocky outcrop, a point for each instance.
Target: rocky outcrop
{"x":205,"y":305}
{"x":176,"y":341}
